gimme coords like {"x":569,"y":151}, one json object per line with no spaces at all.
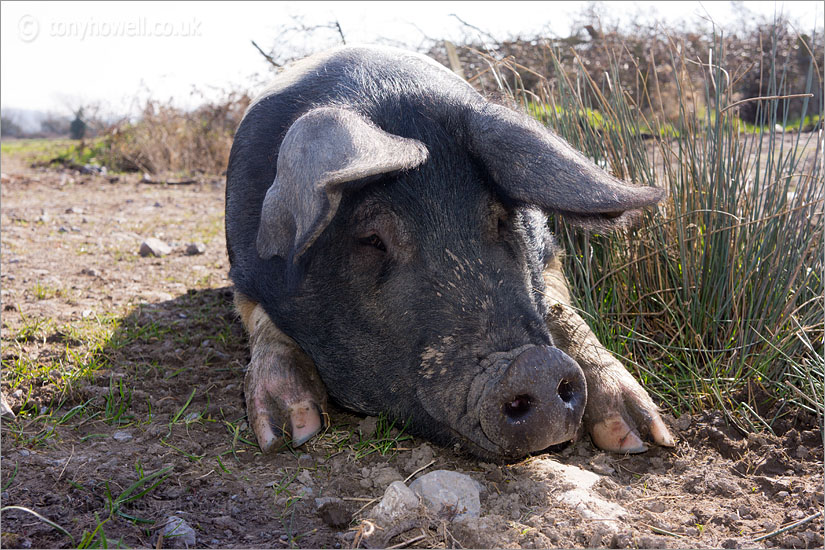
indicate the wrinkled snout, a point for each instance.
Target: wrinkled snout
{"x":535,"y":401}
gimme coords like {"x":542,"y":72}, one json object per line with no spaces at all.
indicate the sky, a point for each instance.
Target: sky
{"x":57,"y":56}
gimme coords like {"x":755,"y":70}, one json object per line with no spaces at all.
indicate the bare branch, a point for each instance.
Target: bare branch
{"x":266,"y":55}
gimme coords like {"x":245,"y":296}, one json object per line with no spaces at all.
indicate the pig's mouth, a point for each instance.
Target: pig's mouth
{"x":521,"y":401}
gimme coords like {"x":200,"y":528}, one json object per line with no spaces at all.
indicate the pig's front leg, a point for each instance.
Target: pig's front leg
{"x":619,"y":412}
{"x":284,"y":394}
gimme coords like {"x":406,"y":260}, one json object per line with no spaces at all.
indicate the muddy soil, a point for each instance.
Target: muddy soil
{"x":132,"y":411}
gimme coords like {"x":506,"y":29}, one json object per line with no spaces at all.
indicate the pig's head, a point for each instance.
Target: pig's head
{"x":413,"y":255}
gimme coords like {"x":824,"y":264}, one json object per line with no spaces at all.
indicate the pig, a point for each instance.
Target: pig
{"x":389,"y":247}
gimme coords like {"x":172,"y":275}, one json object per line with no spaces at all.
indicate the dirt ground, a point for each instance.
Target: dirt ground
{"x":129,"y":374}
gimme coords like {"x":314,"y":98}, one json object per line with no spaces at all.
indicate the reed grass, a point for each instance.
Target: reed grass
{"x":717,"y":299}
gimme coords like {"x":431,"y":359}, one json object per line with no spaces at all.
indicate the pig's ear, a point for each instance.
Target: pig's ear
{"x":532,"y":165}
{"x":325,"y":152}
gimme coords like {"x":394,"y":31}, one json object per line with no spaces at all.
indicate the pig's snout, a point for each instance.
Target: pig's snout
{"x":537,"y":401}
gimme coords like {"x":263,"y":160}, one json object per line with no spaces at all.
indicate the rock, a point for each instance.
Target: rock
{"x":93,"y":169}
{"x":419,"y":457}
{"x":398,"y":501}
{"x":333,"y":511}
{"x":121,"y":436}
{"x":367,"y":426}
{"x":195,"y":249}
{"x":382,"y":476}
{"x":449,"y":492}
{"x":90,"y":271}
{"x":176,"y":533}
{"x":305,"y":477}
{"x":74,"y":210}
{"x":154,"y":247}
{"x":5,"y":409}
{"x":224,"y":522}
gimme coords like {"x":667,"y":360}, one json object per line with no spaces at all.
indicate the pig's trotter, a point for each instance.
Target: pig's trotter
{"x":619,"y":411}
{"x":284,"y":394}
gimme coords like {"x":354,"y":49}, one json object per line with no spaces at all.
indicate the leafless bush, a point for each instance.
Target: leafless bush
{"x":166,"y":138}
{"x":640,"y":58}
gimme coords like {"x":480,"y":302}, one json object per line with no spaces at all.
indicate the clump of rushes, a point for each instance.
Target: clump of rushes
{"x":717,"y":299}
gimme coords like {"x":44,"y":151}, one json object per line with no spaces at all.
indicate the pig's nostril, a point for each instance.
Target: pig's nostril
{"x":566,"y":391}
{"x":517,"y":408}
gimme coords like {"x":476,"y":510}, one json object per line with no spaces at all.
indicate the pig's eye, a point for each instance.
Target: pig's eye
{"x":373,"y":241}
{"x":502,"y":227}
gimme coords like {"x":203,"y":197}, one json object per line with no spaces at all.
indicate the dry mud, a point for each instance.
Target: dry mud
{"x":70,"y":259}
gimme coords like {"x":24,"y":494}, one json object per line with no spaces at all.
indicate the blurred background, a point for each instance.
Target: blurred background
{"x":111,"y":59}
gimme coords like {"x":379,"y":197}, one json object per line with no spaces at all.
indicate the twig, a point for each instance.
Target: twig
{"x":480,"y":31}
{"x":409,"y":477}
{"x":340,"y":32}
{"x":266,"y":55}
{"x":661,"y":531}
{"x":764,"y":98}
{"x":364,"y":507}
{"x":406,"y":542}
{"x":66,"y":465}
{"x":789,"y":527}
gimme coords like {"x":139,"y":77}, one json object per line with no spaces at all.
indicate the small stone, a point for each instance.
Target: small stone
{"x":176,"y":533}
{"x":224,"y":522}
{"x":683,"y":422}
{"x":63,"y":229}
{"x":398,"y":501}
{"x":86,"y":313}
{"x":451,"y":492}
{"x":195,"y":249}
{"x":305,"y":461}
{"x":367,"y":426}
{"x":74,"y":210}
{"x":601,"y":465}
{"x":154,"y":247}
{"x":91,"y":272}
{"x":305,"y":477}
{"x":655,"y":506}
{"x":334,"y":512}
{"x":5,"y":409}
{"x":121,"y":436}
{"x":782,"y":494}
{"x":284,"y":537}
{"x":382,"y":476}
{"x":620,"y":540}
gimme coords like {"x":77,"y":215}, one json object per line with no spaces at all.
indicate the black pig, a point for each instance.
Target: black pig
{"x":386,"y":232}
